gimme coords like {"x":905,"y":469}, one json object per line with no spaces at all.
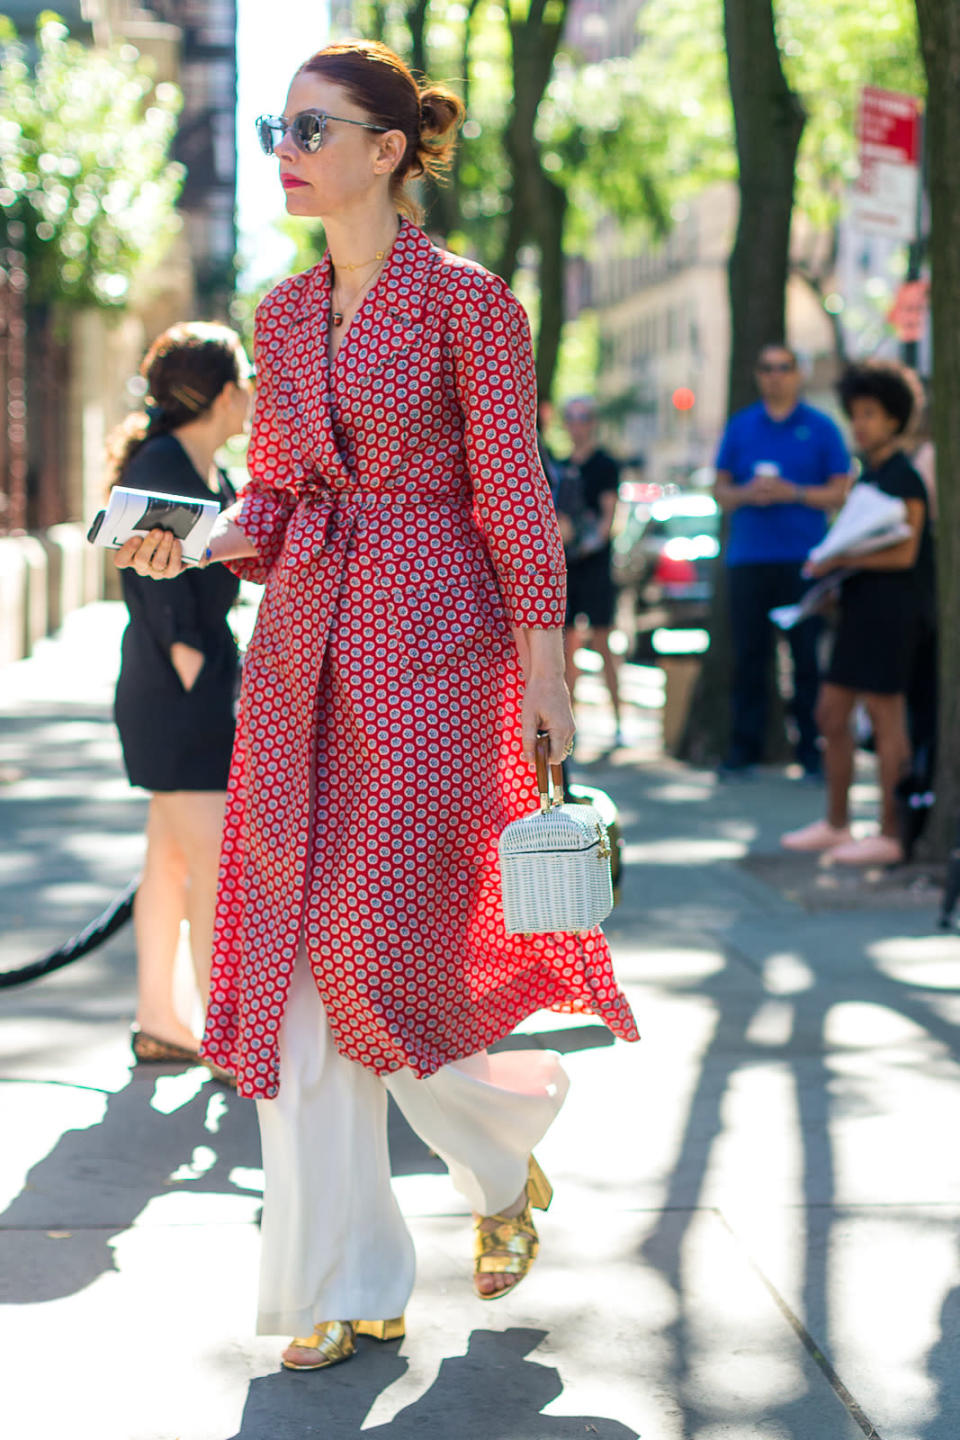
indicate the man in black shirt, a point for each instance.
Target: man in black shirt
{"x":586,"y":500}
{"x":887,"y":608}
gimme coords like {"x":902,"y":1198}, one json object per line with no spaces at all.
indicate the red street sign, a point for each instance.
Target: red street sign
{"x":890,"y":131}
{"x":889,"y":126}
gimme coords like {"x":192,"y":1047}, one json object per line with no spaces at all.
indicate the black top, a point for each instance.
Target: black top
{"x":172,"y":738}
{"x":579,"y":496}
{"x":880,"y":592}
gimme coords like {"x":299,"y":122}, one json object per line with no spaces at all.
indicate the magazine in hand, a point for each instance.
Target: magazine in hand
{"x":136,"y":512}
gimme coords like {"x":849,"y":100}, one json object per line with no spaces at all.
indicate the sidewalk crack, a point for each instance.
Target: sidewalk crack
{"x":852,"y":1406}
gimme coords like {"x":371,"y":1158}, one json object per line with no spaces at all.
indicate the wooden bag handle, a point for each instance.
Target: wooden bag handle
{"x":546,"y":772}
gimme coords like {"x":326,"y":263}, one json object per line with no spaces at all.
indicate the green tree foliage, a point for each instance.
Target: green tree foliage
{"x":631,"y":136}
{"x":549,"y":144}
{"x":87,"y":192}
{"x":829,"y":51}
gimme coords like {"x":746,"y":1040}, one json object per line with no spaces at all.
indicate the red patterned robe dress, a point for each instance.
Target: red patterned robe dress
{"x":403,"y":524}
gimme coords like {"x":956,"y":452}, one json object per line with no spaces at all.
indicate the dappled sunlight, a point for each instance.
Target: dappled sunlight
{"x":787,"y":974}
{"x":930,"y":961}
{"x":72,"y":787}
{"x":672,"y":966}
{"x":862,"y":1025}
{"x":245,"y":1177}
{"x":216,"y":1110}
{"x":733,"y":1365}
{"x":687,"y":790}
{"x":42,"y":1114}
{"x":875,"y":1260}
{"x":771,"y":1025}
{"x":202,"y":1160}
{"x":684,"y":850}
{"x":172,"y":1092}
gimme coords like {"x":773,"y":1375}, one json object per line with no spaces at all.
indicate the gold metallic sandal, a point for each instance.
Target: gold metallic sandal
{"x":511,"y":1247}
{"x":335,"y":1340}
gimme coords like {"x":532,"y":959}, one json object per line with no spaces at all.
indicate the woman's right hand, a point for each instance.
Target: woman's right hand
{"x":157,"y":555}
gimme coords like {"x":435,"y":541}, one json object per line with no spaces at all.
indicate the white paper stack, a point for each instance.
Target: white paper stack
{"x":869,"y":520}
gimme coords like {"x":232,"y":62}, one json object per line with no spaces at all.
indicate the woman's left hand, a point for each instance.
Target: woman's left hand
{"x":546,"y":707}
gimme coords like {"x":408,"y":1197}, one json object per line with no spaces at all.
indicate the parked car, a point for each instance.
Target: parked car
{"x":664,"y":557}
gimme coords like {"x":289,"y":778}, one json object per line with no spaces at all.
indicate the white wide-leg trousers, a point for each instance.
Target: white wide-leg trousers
{"x":334,"y":1243}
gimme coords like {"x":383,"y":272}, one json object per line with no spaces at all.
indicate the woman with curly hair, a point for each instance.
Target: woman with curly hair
{"x":887,"y":609}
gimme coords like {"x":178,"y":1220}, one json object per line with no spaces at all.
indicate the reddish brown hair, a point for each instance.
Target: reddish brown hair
{"x":378,"y":81}
{"x":185,"y":369}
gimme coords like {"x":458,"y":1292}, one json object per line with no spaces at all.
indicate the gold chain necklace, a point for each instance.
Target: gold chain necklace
{"x":336,"y":315}
{"x":362,"y":264}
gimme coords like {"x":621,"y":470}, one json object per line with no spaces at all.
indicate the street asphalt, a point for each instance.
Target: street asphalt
{"x":755,"y":1230}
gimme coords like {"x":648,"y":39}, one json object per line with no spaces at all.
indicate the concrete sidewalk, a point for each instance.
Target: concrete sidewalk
{"x":757,"y":1213}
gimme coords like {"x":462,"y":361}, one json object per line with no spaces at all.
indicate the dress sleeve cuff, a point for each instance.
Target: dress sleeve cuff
{"x":536,"y":601}
{"x":262,"y":517}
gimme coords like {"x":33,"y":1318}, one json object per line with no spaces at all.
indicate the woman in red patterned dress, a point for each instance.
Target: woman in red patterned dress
{"x":408,"y":647}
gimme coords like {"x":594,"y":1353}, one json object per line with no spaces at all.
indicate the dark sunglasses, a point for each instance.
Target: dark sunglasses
{"x":306,"y":130}
{"x":776,"y":367}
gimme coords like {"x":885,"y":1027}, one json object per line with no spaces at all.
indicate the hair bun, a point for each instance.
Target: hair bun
{"x":440,"y":112}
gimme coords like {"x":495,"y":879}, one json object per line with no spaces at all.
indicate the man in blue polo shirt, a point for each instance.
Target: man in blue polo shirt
{"x":781,"y":467}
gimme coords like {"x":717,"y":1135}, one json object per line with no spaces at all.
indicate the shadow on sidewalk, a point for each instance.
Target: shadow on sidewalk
{"x":731,"y":1051}
{"x":491,"y":1393}
{"x":98,"y":1180}
{"x":944,"y":1372}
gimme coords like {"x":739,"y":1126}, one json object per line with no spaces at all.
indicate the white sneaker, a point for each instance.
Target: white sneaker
{"x":816,"y":838}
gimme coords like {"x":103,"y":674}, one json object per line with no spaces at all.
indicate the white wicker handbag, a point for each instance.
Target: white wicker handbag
{"x":555,"y":863}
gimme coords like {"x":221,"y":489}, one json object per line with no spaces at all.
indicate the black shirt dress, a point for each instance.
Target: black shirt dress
{"x":172,"y":738}
{"x":886,"y":614}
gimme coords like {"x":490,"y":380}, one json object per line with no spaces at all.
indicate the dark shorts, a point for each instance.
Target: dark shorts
{"x":591,"y":591}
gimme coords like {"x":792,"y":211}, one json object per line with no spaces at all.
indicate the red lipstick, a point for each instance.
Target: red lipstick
{"x":290,"y":182}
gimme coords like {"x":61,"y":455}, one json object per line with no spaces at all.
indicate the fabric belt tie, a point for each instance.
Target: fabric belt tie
{"x":325,"y":502}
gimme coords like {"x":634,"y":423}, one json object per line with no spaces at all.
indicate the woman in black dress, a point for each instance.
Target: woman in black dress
{"x":887,"y":609}
{"x":175,"y":694}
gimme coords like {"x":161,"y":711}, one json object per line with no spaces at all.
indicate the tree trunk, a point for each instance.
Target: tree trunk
{"x":552,"y":289}
{"x":441,"y":198}
{"x":466,"y":53}
{"x":939,"y":22}
{"x":769,"y":120}
{"x":378,"y":21}
{"x":536,"y":204}
{"x":417,"y":25}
